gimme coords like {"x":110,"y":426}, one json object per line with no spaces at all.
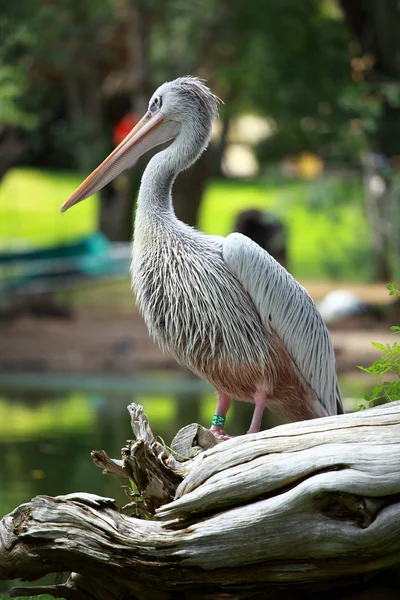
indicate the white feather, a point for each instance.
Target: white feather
{"x":285,"y":307}
{"x":191,"y":303}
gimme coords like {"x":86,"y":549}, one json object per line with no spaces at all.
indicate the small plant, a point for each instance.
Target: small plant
{"x":393,"y":289}
{"x":389,"y":362}
{"x":137,"y":504}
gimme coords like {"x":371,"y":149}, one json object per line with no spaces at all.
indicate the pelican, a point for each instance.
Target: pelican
{"x":223,"y":307}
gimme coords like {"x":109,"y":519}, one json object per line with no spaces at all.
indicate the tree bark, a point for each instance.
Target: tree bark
{"x":12,"y":147}
{"x":189,"y":189}
{"x":288,"y":512}
{"x":375,"y":26}
{"x":118,"y":199}
{"x":377,"y":185}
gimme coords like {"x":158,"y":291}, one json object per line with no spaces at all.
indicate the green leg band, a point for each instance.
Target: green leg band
{"x":218,"y":421}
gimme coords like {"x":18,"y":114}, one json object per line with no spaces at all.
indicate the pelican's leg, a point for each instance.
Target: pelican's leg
{"x":223,"y":405}
{"x":260,"y":401}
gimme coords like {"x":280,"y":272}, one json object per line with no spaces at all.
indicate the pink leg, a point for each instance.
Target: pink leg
{"x":260,"y":401}
{"x":223,"y":405}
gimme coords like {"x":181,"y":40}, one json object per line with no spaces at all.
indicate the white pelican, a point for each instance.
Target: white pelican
{"x":221,"y":306}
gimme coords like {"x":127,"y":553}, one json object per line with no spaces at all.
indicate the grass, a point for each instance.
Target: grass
{"x":30,"y":203}
{"x":328,"y":237}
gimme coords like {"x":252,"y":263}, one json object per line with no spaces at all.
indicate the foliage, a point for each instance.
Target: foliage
{"x":393,"y":289}
{"x":137,"y":504}
{"x":13,"y":83}
{"x":388,"y":363}
{"x":301,"y":85}
{"x":88,"y":61}
{"x":59,"y":45}
{"x":69,"y":70}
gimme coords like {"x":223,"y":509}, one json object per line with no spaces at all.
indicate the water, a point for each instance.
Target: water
{"x":49,"y":424}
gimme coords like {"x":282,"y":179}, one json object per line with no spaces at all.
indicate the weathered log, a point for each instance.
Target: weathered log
{"x":311,"y":506}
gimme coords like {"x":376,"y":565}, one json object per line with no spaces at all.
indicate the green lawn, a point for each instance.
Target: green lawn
{"x":328,"y":236}
{"x":327,"y":231}
{"x":30,"y":203}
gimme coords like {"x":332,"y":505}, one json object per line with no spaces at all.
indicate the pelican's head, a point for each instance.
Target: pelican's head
{"x":179,"y":107}
{"x":185,"y":99}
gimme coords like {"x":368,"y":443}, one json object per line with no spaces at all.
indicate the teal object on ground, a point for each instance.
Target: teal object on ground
{"x":60,"y":265}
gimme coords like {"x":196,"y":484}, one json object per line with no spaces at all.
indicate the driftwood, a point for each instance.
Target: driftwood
{"x":301,"y":508}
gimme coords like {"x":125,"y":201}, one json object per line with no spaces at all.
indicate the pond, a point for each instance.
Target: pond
{"x":49,"y":424}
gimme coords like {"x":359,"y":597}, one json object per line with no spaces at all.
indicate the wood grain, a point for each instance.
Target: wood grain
{"x":305,"y":505}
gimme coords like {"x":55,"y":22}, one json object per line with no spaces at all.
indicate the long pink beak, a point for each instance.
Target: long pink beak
{"x":152,"y":130}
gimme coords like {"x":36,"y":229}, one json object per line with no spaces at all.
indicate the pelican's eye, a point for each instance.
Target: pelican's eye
{"x":156,"y":104}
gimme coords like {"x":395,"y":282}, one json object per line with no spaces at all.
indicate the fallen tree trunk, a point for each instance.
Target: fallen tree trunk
{"x":310,"y":506}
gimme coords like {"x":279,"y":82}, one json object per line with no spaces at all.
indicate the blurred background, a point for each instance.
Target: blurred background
{"x":304,"y":158}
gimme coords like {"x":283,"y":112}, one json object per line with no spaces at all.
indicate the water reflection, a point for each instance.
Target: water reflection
{"x":48,"y":426}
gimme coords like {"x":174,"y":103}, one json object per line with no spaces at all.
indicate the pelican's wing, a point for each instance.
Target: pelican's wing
{"x":286,"y":307}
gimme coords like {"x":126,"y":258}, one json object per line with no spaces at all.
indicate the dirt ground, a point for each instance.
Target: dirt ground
{"x":115,"y":341}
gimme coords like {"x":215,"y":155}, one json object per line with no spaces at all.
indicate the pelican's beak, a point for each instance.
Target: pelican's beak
{"x":152,"y":130}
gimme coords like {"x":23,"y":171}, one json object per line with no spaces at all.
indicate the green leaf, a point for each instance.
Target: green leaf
{"x":366,"y":369}
{"x":379,"y":346}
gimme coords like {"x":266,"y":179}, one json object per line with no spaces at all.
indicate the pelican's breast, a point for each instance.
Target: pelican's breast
{"x":196,"y":310}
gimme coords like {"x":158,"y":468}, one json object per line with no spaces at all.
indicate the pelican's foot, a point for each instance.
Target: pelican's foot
{"x":219,"y":433}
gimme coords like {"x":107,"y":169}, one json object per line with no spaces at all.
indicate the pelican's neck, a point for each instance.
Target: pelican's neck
{"x":155,"y":197}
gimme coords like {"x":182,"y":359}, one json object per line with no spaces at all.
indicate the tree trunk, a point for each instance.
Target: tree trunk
{"x":387,"y":142}
{"x":12,"y":147}
{"x":375,"y":25}
{"x":117,"y":205}
{"x":189,"y":189}
{"x":116,"y":208}
{"x":286,"y":513}
{"x":377,"y":185}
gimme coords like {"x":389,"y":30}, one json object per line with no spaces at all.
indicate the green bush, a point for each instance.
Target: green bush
{"x":389,"y":362}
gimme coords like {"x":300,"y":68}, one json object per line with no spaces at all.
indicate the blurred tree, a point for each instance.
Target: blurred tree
{"x":234,"y":46}
{"x":376,"y":67}
{"x":165,"y":40}
{"x":65,"y":49}
{"x":81,"y":56}
{"x":86,"y":64}
{"x":296,"y":72}
{"x":12,"y":146}
{"x":14,"y":120}
{"x":76,"y":67}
